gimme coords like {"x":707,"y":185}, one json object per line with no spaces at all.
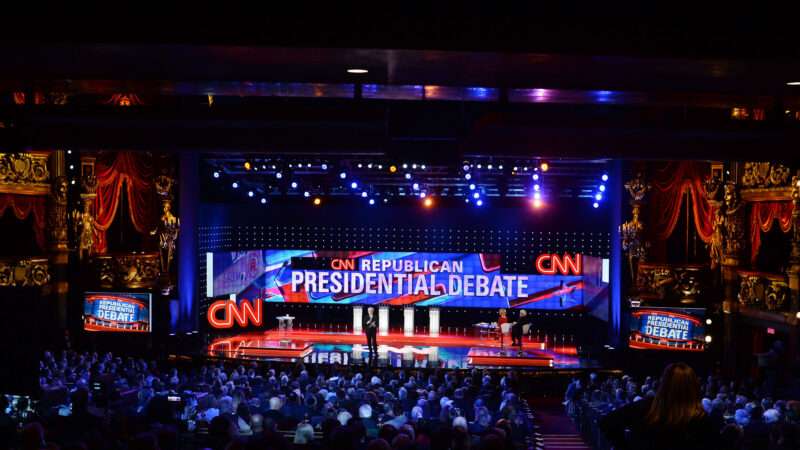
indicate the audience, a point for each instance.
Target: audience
{"x":102,"y":401}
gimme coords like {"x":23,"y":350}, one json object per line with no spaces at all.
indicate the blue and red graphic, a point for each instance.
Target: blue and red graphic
{"x":570,"y":282}
{"x":667,"y":329}
{"x":118,"y":312}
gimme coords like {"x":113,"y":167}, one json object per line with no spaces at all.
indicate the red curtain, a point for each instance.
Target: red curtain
{"x":113,"y":171}
{"x":669,"y":185}
{"x":23,"y":206}
{"x":762,"y":214}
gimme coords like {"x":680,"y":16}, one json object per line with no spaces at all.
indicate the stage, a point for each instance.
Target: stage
{"x":399,"y":350}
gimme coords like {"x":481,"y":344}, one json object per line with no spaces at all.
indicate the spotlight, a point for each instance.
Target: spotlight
{"x":415,"y":186}
{"x":360,"y":165}
{"x":317,"y":201}
{"x":306,"y":194}
{"x":294,"y":184}
{"x":423,"y":194}
{"x":364,"y":194}
{"x":602,"y":188}
{"x":263,"y":201}
{"x":278,"y":175}
{"x":479,"y":203}
{"x":466,"y":167}
{"x":598,"y":196}
{"x":369,"y":166}
{"x":405,"y":166}
{"x":536,"y":187}
{"x":343,"y":175}
{"x":708,"y":339}
{"x":472,"y":186}
{"x":478,"y":166}
{"x":72,"y":182}
{"x":535,"y":177}
{"x":489,"y":167}
{"x":408,"y":176}
{"x":372,"y":201}
{"x":708,"y":321}
{"x":386,"y":200}
{"x":595,"y":205}
{"x":500,"y":167}
{"x":249,"y":193}
{"x":423,"y":167}
{"x":604,"y":177}
{"x":216,"y":174}
{"x":247,"y":165}
{"x":525,"y":168}
{"x":476,"y":195}
{"x":354,"y":185}
{"x":428,"y":202}
{"x":537,"y":203}
{"x":544,"y":166}
{"x":235,"y":185}
{"x":273,"y":166}
{"x":264,"y":166}
{"x":392,"y":168}
{"x":308,"y":165}
{"x":324,"y":167}
{"x":357,"y":71}
{"x":69,"y":152}
{"x":413,"y":166}
{"x":468,"y":177}
{"x":72,"y":167}
{"x":537,"y":196}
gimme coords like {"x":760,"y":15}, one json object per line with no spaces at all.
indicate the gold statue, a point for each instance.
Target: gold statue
{"x":86,"y":219}
{"x":168,"y":228}
{"x":717,"y":239}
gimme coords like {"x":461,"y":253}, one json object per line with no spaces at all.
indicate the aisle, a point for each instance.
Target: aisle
{"x":555,"y":427}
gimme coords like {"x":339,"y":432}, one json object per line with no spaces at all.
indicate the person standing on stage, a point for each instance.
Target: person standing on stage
{"x":371,"y":329}
{"x":518,"y":327}
{"x":502,"y":320}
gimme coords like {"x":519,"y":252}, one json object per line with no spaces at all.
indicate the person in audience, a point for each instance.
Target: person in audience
{"x":673,"y":419}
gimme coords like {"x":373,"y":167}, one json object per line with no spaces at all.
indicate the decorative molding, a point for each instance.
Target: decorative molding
{"x":57,"y":215}
{"x":24,"y":272}
{"x":765,"y":291}
{"x":24,"y":173}
{"x":667,"y":282}
{"x":130,"y":271}
{"x":765,"y":175}
{"x":735,"y":228}
{"x":774,"y":194}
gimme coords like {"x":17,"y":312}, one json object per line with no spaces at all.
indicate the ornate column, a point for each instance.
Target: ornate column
{"x":735,"y":239}
{"x":793,"y":271}
{"x":58,"y":239}
{"x":167,"y":231}
{"x":83,"y":218}
{"x":631,"y":231}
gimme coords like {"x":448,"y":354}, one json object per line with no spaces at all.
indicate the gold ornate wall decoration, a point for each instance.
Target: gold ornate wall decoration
{"x":764,"y":175}
{"x":31,"y":272}
{"x":763,"y":291}
{"x":631,"y":231}
{"x":57,"y":215}
{"x":168,"y":226}
{"x":735,"y":229}
{"x":131,"y":271}
{"x":776,"y":295}
{"x":24,"y":173}
{"x":83,"y":227}
{"x":714,"y":187}
{"x":666,"y":282}
{"x":796,"y":218}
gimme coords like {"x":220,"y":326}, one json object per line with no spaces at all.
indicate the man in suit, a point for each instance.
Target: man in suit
{"x":371,"y":329}
{"x":518,"y":327}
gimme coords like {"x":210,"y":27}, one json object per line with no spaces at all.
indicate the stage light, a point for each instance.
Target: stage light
{"x":278,"y":175}
{"x":598,"y":196}
{"x":479,"y":203}
{"x":405,"y":166}
{"x":306,"y":194}
{"x":386,"y":200}
{"x":602,"y":188}
{"x":595,"y":205}
{"x":423,"y":194}
{"x":392,"y":168}
{"x":343,"y":175}
{"x":472,"y":186}
{"x":294,"y":184}
{"x":317,"y":201}
{"x":372,"y":201}
{"x":466,"y":167}
{"x":544,"y":166}
{"x":489,"y":167}
{"x":500,"y":167}
{"x":466,"y":200}
{"x":428,"y":202}
{"x":72,"y":182}
{"x":525,"y":169}
{"x":415,"y":186}
{"x":413,"y":166}
{"x":360,"y":165}
{"x":308,"y":165}
{"x":537,"y":203}
{"x":478,"y":166}
{"x":708,"y":321}
{"x":708,"y":339}
{"x":369,"y":166}
{"x":535,"y":177}
{"x":515,"y":168}
{"x":364,"y":194}
{"x":354,"y":185}
{"x":250,"y":193}
{"x":216,"y":174}
{"x":69,"y":152}
{"x":263,"y":201}
{"x":324,"y":167}
{"x":247,"y":165}
{"x":273,"y":167}
{"x":604,"y":177}
{"x":357,"y":71}
{"x":476,"y":195}
{"x":536,"y":187}
{"x":537,"y":196}
{"x":408,"y":176}
{"x":467,"y":177}
{"x":235,"y":185}
{"x":423,"y":167}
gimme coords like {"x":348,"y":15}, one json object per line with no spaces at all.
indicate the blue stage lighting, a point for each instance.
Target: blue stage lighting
{"x":596,"y":205}
{"x":294,"y":184}
{"x":364,"y":194}
{"x":602,"y":188}
{"x":604,"y":177}
{"x":476,"y":195}
{"x":537,"y":196}
{"x":598,"y":197}
{"x":235,"y":185}
{"x":372,"y":201}
{"x":466,"y":167}
{"x":278,"y":175}
{"x":408,"y":176}
{"x":536,"y":187}
{"x":467,"y":177}
{"x":354,"y":185}
{"x":216,"y":174}
{"x":479,"y":203}
{"x":415,"y":186}
{"x":263,"y":200}
{"x":535,"y":176}
{"x":250,"y":193}
{"x":472,"y":186}
{"x":306,"y":194}
{"x":324,"y":167}
{"x":343,"y":175}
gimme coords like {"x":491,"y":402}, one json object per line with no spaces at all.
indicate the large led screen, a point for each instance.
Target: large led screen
{"x":667,"y":329}
{"x":116,"y":311}
{"x":555,"y":282}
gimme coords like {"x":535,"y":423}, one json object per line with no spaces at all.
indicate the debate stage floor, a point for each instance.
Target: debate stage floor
{"x":398,"y":350}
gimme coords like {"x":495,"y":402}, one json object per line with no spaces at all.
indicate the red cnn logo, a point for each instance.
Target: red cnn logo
{"x":343,"y":264}
{"x":242,"y":314}
{"x":550,"y":263}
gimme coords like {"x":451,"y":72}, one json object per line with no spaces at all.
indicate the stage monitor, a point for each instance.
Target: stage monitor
{"x":567,"y":282}
{"x":117,"y":312}
{"x":678,"y":329}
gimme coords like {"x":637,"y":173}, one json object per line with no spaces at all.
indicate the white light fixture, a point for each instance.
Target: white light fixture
{"x":235,"y":185}
{"x":263,"y":200}
{"x":595,"y":205}
{"x":408,"y":176}
{"x":372,"y":201}
{"x":793,"y":83}
{"x":294,"y":184}
{"x":278,"y":175}
{"x":708,"y":339}
{"x":364,"y":194}
{"x":357,"y":71}
{"x":708,"y":321}
{"x":306,"y":194}
{"x":605,"y":177}
{"x":250,"y":193}
{"x":216,"y":174}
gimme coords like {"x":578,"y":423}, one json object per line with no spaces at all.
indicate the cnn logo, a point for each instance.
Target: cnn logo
{"x":551,"y":263}
{"x":223,"y":313}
